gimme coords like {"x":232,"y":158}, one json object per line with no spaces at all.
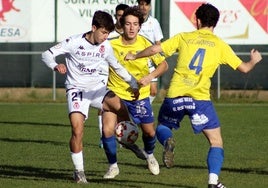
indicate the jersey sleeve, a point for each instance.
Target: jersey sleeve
{"x":48,"y":57}
{"x":120,"y":70}
{"x":171,"y":45}
{"x":229,"y":57}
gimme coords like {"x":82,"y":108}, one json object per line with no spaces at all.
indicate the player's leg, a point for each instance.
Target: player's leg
{"x":169,"y":119}
{"x":215,"y":155}
{"x":100,"y":126}
{"x":153,"y":84}
{"x":153,"y":91}
{"x":76,"y":146}
{"x":144,"y":117}
{"x":135,"y":115}
{"x":77,"y":111}
{"x":204,"y":119}
{"x":109,"y":143}
{"x":113,"y":110}
{"x":149,"y":140}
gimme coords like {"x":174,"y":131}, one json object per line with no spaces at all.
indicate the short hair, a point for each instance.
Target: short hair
{"x":146,"y":1}
{"x":121,"y":7}
{"x":134,"y":11}
{"x":103,"y":19}
{"x":208,"y":15}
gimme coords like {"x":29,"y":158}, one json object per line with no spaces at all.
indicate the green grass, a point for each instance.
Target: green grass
{"x":34,"y":150}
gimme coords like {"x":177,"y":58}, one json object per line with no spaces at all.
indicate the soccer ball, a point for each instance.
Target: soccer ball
{"x":126,"y":132}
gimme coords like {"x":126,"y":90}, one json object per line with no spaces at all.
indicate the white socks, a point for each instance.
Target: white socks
{"x":100,"y":124}
{"x":78,"y":162}
{"x":213,"y":179}
{"x":151,"y":98}
{"x":114,"y":165}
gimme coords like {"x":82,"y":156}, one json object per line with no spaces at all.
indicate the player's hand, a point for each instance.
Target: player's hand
{"x":130,"y":56}
{"x":61,"y":68}
{"x":136,"y":93}
{"x":146,"y":80}
{"x":255,"y":56}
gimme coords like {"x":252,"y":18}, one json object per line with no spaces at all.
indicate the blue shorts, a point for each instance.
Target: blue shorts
{"x":201,"y":113}
{"x":140,"y":111}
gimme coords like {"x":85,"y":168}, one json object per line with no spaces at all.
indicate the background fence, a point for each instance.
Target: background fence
{"x":39,"y":28}
{"x":21,"y":66}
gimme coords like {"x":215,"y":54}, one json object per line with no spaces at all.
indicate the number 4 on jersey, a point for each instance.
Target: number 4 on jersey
{"x":199,"y":57}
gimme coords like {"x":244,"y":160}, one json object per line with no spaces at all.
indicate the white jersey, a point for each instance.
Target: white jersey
{"x":114,"y":34}
{"x":85,"y":62}
{"x":151,"y":29}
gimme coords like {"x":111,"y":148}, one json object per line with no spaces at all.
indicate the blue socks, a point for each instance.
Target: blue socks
{"x":163,"y":133}
{"x":149,"y":144}
{"x":109,"y":145}
{"x":215,"y":160}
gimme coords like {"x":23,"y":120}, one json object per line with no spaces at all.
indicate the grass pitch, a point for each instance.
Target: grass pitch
{"x":35,"y":153}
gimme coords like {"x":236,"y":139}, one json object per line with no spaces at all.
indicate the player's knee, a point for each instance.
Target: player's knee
{"x":216,"y":142}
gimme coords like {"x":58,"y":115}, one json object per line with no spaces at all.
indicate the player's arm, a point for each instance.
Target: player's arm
{"x":151,"y":50}
{"x":160,"y":69}
{"x":124,"y":74}
{"x":49,"y":56}
{"x":255,"y":57}
{"x":49,"y":59}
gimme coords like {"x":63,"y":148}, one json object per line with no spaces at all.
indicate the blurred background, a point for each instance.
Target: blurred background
{"x":27,"y":28}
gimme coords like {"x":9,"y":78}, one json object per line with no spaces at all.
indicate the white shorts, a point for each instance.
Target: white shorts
{"x":80,"y":100}
{"x":151,"y":69}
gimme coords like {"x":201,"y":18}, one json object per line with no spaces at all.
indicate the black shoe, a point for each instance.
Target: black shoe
{"x":135,"y":149}
{"x":219,"y":185}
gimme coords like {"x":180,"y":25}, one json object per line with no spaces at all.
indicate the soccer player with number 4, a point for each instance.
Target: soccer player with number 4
{"x":199,"y":54}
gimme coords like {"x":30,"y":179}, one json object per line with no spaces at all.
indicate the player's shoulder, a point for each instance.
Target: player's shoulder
{"x":73,"y":39}
{"x":152,"y":19}
{"x":114,"y":38}
{"x":77,"y":36}
{"x":114,"y":34}
{"x":143,"y":39}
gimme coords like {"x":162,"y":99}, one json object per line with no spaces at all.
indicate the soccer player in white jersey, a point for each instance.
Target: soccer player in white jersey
{"x":200,"y":54}
{"x":152,"y":31}
{"x":118,"y":30}
{"x":84,"y":55}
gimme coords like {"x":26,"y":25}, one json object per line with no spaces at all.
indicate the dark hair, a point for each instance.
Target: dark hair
{"x":147,"y":1}
{"x":121,"y":7}
{"x":134,"y":11}
{"x":208,"y":15}
{"x":103,"y":19}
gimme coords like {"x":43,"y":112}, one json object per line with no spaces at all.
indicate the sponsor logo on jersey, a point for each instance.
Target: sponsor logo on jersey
{"x":76,"y":105}
{"x":102,"y":49}
{"x":83,"y":68}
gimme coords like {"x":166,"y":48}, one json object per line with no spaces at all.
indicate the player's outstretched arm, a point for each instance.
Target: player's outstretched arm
{"x":160,"y":69}
{"x":255,"y":57}
{"x":152,"y":50}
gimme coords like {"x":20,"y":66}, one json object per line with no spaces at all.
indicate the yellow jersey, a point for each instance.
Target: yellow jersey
{"x":199,"y":54}
{"x":137,"y":68}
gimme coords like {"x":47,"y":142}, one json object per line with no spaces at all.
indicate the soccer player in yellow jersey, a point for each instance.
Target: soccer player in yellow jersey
{"x":199,"y":54}
{"x":140,"y":110}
